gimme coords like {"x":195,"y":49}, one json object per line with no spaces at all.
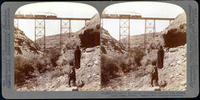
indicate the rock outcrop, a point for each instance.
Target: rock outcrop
{"x":90,"y":36}
{"x":23,"y":45}
{"x":109,"y":45}
{"x":175,"y":34}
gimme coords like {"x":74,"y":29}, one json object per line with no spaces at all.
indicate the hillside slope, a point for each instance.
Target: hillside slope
{"x":109,"y":44}
{"x":23,"y":45}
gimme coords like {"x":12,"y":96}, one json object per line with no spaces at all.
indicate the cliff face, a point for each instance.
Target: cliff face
{"x":23,"y":45}
{"x":90,"y":36}
{"x":175,"y":33}
{"x":109,"y":45}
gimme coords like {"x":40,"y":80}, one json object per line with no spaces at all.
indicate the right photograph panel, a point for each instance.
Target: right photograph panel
{"x":143,"y":47}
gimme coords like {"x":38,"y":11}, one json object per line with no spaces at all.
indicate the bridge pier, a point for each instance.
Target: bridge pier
{"x":65,"y":27}
{"x":124,"y":30}
{"x":154,"y":27}
{"x":40,"y":30}
{"x":150,"y":27}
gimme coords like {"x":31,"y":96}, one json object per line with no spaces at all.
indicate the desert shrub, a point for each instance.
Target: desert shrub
{"x":124,"y":67}
{"x":48,"y":61}
{"x":109,"y":69}
{"x":23,"y":69}
{"x":113,"y":66}
{"x":138,"y":55}
{"x":54,"y":55}
{"x":42,"y":66}
{"x":127,"y":64}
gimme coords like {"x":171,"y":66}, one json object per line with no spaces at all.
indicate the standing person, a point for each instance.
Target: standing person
{"x":154,"y":77}
{"x":72,"y":74}
{"x":72,"y":77}
{"x":160,"y":57}
{"x":159,"y":64}
{"x":77,"y":56}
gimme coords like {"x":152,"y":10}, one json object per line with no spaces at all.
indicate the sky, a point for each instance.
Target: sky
{"x":145,"y":9}
{"x":60,"y":9}
{"x":69,"y":9}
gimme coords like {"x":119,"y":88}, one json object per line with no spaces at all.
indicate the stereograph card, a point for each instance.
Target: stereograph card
{"x":100,"y":49}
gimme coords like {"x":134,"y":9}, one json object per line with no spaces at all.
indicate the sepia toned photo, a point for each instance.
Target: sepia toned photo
{"x":99,"y":49}
{"x":134,"y":46}
{"x":57,"y":47}
{"x":143,"y":46}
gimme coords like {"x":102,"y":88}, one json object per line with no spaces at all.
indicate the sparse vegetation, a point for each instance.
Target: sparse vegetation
{"x":138,"y":54}
{"x":109,"y":69}
{"x":23,"y":69}
{"x":53,"y":55}
{"x":114,"y":66}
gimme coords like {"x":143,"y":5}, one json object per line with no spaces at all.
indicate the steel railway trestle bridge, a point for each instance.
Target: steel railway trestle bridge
{"x":40,"y":25}
{"x":124,"y":24}
{"x":65,"y":24}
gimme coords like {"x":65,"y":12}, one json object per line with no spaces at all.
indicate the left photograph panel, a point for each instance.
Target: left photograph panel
{"x":57,"y":47}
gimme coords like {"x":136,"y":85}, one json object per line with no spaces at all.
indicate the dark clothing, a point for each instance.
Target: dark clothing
{"x":72,"y":76}
{"x":160,"y":57}
{"x":77,"y":56}
{"x":154,"y":77}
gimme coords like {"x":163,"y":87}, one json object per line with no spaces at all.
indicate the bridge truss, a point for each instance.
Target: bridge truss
{"x":40,"y":25}
{"x":124,"y":25}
